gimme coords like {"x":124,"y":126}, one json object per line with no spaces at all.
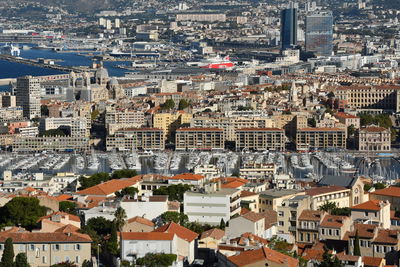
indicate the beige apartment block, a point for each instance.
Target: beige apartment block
{"x":320,"y":138}
{"x":169,"y":122}
{"x":374,"y":138}
{"x":136,"y":139}
{"x":199,"y":138}
{"x":46,"y":249}
{"x":260,"y":139}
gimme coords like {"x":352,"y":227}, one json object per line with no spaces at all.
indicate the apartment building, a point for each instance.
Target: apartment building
{"x":386,"y":97}
{"x":290,"y":122}
{"x":257,"y":172}
{"x":334,"y":227}
{"x":123,"y":118}
{"x":320,"y":138}
{"x":28,"y":96}
{"x":390,"y":194}
{"x":372,"y":212}
{"x":77,"y":126}
{"x":260,"y":139}
{"x":288,"y":213}
{"x":320,"y":195}
{"x":199,"y":138}
{"x":11,"y":113}
{"x":272,"y":198}
{"x":136,"y":139}
{"x":201,"y":17}
{"x":45,"y":249}
{"x":169,"y":122}
{"x":231,"y":123}
{"x":373,"y":138}
{"x":348,"y":119}
{"x":211,"y":204}
{"x":51,"y":143}
{"x":308,"y":224}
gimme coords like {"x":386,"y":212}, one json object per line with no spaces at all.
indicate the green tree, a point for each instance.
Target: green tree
{"x":120,"y":218}
{"x":126,"y":173}
{"x":351,"y":130}
{"x":328,"y":206}
{"x":222,"y":224}
{"x":174,"y":192}
{"x":183,"y":103}
{"x":161,"y":260}
{"x":7,"y":259}
{"x":357,"y":251}
{"x":112,"y":242}
{"x":54,"y":132}
{"x":379,"y":186}
{"x":93,"y":180}
{"x":95,"y":113}
{"x":329,"y":260}
{"x":23,"y":211}
{"x":176,"y":217}
{"x":44,"y":111}
{"x":198,"y":227}
{"x":100,"y":225}
{"x":169,"y":104}
{"x":21,"y":260}
{"x":128,"y":191}
{"x":68,"y":206}
{"x":312,"y":122}
{"x":87,"y":263}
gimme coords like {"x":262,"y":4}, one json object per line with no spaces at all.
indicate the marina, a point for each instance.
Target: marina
{"x":305,"y":166}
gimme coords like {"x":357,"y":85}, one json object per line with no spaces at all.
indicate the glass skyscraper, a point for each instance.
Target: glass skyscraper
{"x":288,"y":28}
{"x":319,"y":33}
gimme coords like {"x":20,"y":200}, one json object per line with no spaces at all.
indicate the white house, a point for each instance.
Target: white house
{"x":148,"y":207}
{"x":211,"y":204}
{"x":136,"y":245}
{"x":250,"y":222}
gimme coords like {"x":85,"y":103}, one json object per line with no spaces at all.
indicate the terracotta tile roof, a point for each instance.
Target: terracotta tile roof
{"x":140,"y":220}
{"x":310,"y":215}
{"x":365,"y":231}
{"x":232,"y":184}
{"x":64,"y":197}
{"x":69,"y":228}
{"x":260,"y":130}
{"x":244,"y":211}
{"x":373,"y":129}
{"x":370,"y":205}
{"x":345,"y":115}
{"x":262,"y":254}
{"x":215,"y":233}
{"x":315,"y":252}
{"x":372,"y":261}
{"x":321,"y":130}
{"x":333,"y":221}
{"x":385,"y":236}
{"x":199,"y":130}
{"x":245,"y":193}
{"x":324,"y":190}
{"x":252,"y":216}
{"x":180,"y":231}
{"x":63,"y":215}
{"x":187,"y":176}
{"x":345,"y":257}
{"x":392,"y":191}
{"x":270,"y":218}
{"x":254,"y":240}
{"x":38,"y":237}
{"x":147,"y":236}
{"x":109,"y":187}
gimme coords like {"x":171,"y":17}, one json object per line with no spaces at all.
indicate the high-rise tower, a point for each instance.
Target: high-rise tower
{"x":289,"y":27}
{"x":28,"y":96}
{"x":319,"y":33}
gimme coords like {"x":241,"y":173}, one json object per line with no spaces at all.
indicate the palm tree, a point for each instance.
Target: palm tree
{"x":120,"y":218}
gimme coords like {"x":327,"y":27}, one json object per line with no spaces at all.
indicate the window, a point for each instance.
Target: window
{"x":1,"y":246}
{"x":56,"y":246}
{"x":77,"y":259}
{"x":44,"y":260}
{"x":32,"y":247}
{"x":366,"y":213}
{"x":77,"y":247}
{"x":44,"y":247}
{"x":281,"y":223}
{"x":337,"y":232}
{"x":281,"y":214}
{"x":323,"y":231}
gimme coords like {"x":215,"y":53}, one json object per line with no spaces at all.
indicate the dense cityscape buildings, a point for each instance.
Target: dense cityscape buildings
{"x":211,"y":133}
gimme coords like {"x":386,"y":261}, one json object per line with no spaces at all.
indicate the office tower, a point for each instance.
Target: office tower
{"x":28,"y":96}
{"x":319,"y":33}
{"x":289,"y":27}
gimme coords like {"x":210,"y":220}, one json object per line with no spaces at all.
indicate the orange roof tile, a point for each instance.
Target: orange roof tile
{"x":333,"y":221}
{"x":262,"y":254}
{"x":245,"y":193}
{"x":392,"y":191}
{"x":370,"y":205}
{"x":310,"y":215}
{"x":324,"y":190}
{"x":62,"y":214}
{"x":213,"y":233}
{"x":141,"y":220}
{"x":180,"y":231}
{"x":372,"y":261}
{"x":64,"y":197}
{"x":109,"y":187}
{"x":187,"y":176}
{"x":39,"y":237}
{"x":252,"y":216}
